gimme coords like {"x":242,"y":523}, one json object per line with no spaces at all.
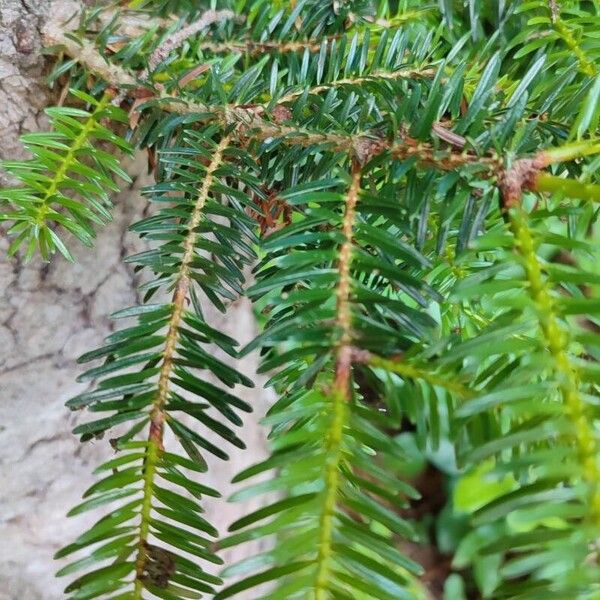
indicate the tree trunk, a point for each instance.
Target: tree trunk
{"x":49,"y":315}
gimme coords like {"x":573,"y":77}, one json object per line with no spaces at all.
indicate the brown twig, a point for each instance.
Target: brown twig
{"x":554,"y":10}
{"x":86,"y":54}
{"x":178,"y":39}
{"x":253,"y":47}
{"x":376,"y":75}
{"x":520,"y":177}
{"x":343,"y":313}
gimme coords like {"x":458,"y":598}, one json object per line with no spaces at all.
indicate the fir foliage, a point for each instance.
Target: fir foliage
{"x":414,"y":186}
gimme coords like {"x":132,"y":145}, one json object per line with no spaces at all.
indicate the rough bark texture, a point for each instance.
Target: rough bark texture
{"x":49,"y":315}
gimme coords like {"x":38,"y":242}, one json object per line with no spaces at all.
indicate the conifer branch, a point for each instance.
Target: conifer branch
{"x":392,"y":295}
{"x":68,"y":160}
{"x":412,"y":372}
{"x":66,"y":178}
{"x":340,"y":392}
{"x":586,"y":66}
{"x":557,"y":344}
{"x":250,"y":124}
{"x":136,"y":24}
{"x":158,"y":415}
{"x":412,"y":74}
{"x":255,"y":47}
{"x":85,"y":52}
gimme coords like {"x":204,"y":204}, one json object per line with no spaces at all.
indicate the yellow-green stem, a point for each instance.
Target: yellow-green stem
{"x":69,"y":159}
{"x":557,"y":344}
{"x":332,"y":483}
{"x":340,"y":394}
{"x":544,"y":182}
{"x":569,"y":152}
{"x":411,"y":372}
{"x":157,"y":413}
{"x":586,"y":66}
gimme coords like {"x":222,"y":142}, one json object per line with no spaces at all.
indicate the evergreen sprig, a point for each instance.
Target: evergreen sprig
{"x":415,"y":187}
{"x":166,"y":346}
{"x":324,"y":438}
{"x":534,"y":396}
{"x":68,"y":180}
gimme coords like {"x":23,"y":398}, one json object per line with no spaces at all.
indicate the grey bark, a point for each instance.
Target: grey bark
{"x":50,"y":314}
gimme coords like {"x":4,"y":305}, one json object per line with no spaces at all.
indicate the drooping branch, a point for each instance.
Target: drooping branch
{"x":557,"y":343}
{"x":340,"y":392}
{"x":69,"y":176}
{"x":526,"y":175}
{"x":158,"y":414}
{"x":68,"y":161}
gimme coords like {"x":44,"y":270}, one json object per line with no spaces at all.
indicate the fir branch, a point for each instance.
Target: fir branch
{"x":254,"y":47}
{"x":86,"y":53}
{"x":250,"y":124}
{"x":169,"y":341}
{"x":120,"y":79}
{"x":68,"y":160}
{"x":586,"y":66}
{"x":558,"y":347}
{"x":392,"y":294}
{"x":340,"y":392}
{"x":411,"y":371}
{"x":321,"y":416}
{"x":134,"y":25}
{"x":158,"y":414}
{"x":379,"y":75}
{"x":67,"y":180}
